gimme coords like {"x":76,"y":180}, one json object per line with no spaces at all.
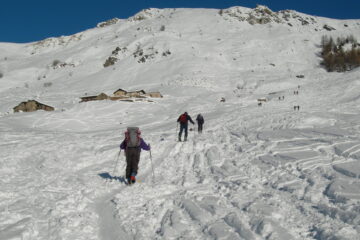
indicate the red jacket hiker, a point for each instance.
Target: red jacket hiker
{"x":183,"y":120}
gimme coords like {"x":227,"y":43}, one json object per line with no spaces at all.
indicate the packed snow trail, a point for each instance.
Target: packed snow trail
{"x":254,"y":173}
{"x":230,"y":183}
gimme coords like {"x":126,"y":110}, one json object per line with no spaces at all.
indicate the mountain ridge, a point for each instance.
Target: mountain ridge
{"x":157,"y":36}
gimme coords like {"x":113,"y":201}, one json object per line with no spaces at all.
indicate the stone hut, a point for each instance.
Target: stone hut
{"x":31,"y":106}
{"x":101,"y":96}
{"x":120,"y":93}
{"x":154,"y":94}
{"x":137,"y":94}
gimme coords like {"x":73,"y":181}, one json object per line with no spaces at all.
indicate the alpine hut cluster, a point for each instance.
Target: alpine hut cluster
{"x":123,"y":95}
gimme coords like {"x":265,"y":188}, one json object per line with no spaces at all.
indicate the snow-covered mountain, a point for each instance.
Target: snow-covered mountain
{"x":257,"y":172}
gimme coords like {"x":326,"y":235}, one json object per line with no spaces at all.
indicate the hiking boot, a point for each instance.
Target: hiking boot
{"x":132,"y":179}
{"x":128,"y":180}
{"x":185,"y":139}
{"x":179,"y":139}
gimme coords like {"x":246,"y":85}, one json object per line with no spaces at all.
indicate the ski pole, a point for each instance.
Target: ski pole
{"x":117,"y":160}
{"x":176,"y":133}
{"x":152,"y":168}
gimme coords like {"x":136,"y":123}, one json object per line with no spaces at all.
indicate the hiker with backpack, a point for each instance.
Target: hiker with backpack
{"x":132,"y":144}
{"x":183,"y":120}
{"x":200,"y":121}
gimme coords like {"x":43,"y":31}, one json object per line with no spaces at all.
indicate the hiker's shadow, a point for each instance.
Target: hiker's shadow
{"x":107,"y":176}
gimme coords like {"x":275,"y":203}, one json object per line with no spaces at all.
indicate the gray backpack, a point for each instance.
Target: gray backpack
{"x":132,"y":137}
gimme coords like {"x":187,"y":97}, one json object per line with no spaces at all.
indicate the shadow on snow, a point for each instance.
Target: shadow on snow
{"x":107,"y":176}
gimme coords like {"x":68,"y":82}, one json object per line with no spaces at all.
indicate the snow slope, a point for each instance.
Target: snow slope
{"x":255,"y":173}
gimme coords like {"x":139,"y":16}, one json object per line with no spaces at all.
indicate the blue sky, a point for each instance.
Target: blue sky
{"x":32,"y":20}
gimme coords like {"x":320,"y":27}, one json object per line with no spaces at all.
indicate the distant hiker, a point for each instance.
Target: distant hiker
{"x":183,"y":120}
{"x":132,"y":144}
{"x":200,"y":122}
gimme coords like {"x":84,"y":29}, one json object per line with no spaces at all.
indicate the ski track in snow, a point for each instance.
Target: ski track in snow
{"x":212,"y":189}
{"x":228,"y":183}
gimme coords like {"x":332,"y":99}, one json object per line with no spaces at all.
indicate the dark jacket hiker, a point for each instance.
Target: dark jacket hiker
{"x":200,"y":121}
{"x":183,"y":120}
{"x":132,"y":144}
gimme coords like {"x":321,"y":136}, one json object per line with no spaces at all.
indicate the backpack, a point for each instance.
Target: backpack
{"x":183,"y":118}
{"x":132,"y":137}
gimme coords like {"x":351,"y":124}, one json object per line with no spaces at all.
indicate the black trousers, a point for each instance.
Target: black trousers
{"x":132,"y":161}
{"x":183,"y":127}
{"x":200,"y":127}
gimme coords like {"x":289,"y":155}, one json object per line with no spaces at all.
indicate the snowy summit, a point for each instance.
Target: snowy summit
{"x":278,"y":159}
